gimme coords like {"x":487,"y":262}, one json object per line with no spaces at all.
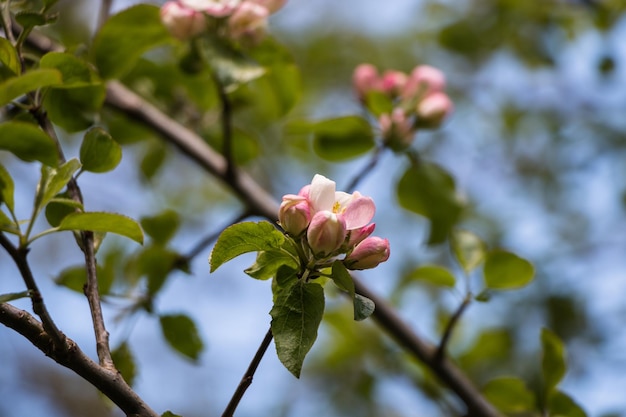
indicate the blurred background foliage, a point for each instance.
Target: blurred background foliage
{"x":537,"y":145}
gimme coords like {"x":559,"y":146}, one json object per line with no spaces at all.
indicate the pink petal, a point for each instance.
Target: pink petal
{"x":359,"y":212}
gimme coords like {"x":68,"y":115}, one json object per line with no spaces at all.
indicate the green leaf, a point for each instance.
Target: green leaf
{"x":162,"y":227}
{"x":378,"y":103}
{"x":363,"y":307}
{"x":296,"y":316}
{"x":230,"y":66}
{"x":342,"y":138}
{"x":7,"y":188}
{"x":5,"y":298}
{"x":125,"y":363}
{"x":59,"y":207}
{"x":433,"y":274}
{"x":553,"y":363}
{"x":561,"y":404}
{"x":52,"y":181}
{"x":104,"y":222}
{"x":469,"y":250}
{"x":28,"y":142}
{"x":429,"y":190}
{"x":242,"y":238}
{"x":9,"y":58}
{"x":268,"y":262}
{"x":182,"y":335}
{"x":74,"y":71}
{"x":121,"y":41}
{"x":342,"y":278}
{"x":75,"y":278}
{"x":509,"y":395}
{"x":156,"y":263}
{"x":99,"y":152}
{"x":29,"y":20}
{"x":15,"y":87}
{"x":505,"y":270}
{"x":75,"y":109}
{"x":169,"y":414}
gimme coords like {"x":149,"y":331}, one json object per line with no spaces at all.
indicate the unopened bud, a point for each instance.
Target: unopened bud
{"x":215,"y":8}
{"x":248,"y":22}
{"x":368,"y":254}
{"x":397,"y":129}
{"x":271,"y":5}
{"x":365,"y":79}
{"x":424,"y":80}
{"x":182,"y":22}
{"x":433,"y":109}
{"x":394,"y":82}
{"x":294,"y":214}
{"x":326,"y":233}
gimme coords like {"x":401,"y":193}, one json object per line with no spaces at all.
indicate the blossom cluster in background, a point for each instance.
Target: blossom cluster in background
{"x":327,"y":224}
{"x":245,"y":20}
{"x":417,"y":100}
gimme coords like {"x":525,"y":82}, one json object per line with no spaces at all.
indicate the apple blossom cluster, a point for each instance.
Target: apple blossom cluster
{"x":417,"y":100}
{"x":245,"y":20}
{"x":326,"y":224}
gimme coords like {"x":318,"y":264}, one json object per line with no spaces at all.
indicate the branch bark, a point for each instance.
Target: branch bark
{"x":68,"y":354}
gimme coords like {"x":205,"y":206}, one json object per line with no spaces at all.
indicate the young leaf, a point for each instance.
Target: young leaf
{"x":509,"y":395}
{"x":103,"y":222}
{"x":5,"y":298}
{"x":9,"y":58}
{"x":296,"y":316}
{"x":169,"y":414}
{"x":268,"y":262}
{"x":7,"y":225}
{"x":342,"y":138}
{"x":28,"y":142}
{"x":242,"y":238}
{"x":29,"y":19}
{"x":560,"y":404}
{"x":363,"y":307}
{"x":434,"y":274}
{"x":75,"y":278}
{"x":59,"y":207}
{"x":125,"y":363}
{"x":162,"y":227}
{"x":52,"y":181}
{"x":121,"y":41}
{"x":7,"y":188}
{"x":505,"y":270}
{"x":76,"y":108}
{"x":74,"y":71}
{"x":553,"y":363}
{"x":469,"y":250}
{"x":99,"y":152}
{"x":342,"y":278}
{"x":15,"y":87}
{"x":428,"y":190}
{"x":182,"y":335}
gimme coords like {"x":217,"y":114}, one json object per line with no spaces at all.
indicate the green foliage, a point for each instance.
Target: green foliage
{"x":75,"y":72}
{"x":296,"y":316}
{"x":75,"y":279}
{"x":59,"y":207}
{"x":28,"y":142}
{"x":5,"y":298}
{"x":468,"y":249}
{"x":505,"y":270}
{"x":161,"y":227}
{"x":429,"y":190}
{"x":169,"y":414}
{"x":99,"y":152}
{"x":155,"y":262}
{"x":509,"y":395}
{"x":121,"y":41}
{"x":553,"y":363}
{"x":103,"y":222}
{"x":363,"y":307}
{"x":7,"y":188}
{"x":125,"y":362}
{"x":433,"y":274}
{"x":342,"y":138}
{"x":16,"y":87}
{"x":242,"y":238}
{"x":561,"y":404}
{"x":182,"y":335}
{"x":10,"y":60}
{"x":269,"y":261}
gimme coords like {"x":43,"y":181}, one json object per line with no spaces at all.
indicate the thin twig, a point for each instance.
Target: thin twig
{"x":19,"y":254}
{"x":105,"y":10}
{"x":246,"y":381}
{"x":367,"y":169}
{"x":227,"y":130}
{"x":68,"y":354}
{"x":441,"y":349}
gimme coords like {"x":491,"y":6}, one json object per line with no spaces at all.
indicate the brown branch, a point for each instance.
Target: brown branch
{"x":68,"y":354}
{"x":441,"y":349}
{"x":246,"y":381}
{"x":19,"y":254}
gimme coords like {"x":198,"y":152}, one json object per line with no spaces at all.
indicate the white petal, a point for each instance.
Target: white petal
{"x":322,"y":193}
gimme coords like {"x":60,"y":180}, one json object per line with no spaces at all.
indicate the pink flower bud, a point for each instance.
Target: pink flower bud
{"x":248,"y":22}
{"x":294,"y":214}
{"x":397,"y":129}
{"x":271,"y":5}
{"x":326,"y":233}
{"x":393,"y":82}
{"x":424,"y":80}
{"x":183,"y":23}
{"x":356,"y":236}
{"x":368,"y":254}
{"x":433,"y":109}
{"x":215,"y":8}
{"x":365,"y":79}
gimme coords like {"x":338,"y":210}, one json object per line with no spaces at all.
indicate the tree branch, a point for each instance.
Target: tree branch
{"x":68,"y":354}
